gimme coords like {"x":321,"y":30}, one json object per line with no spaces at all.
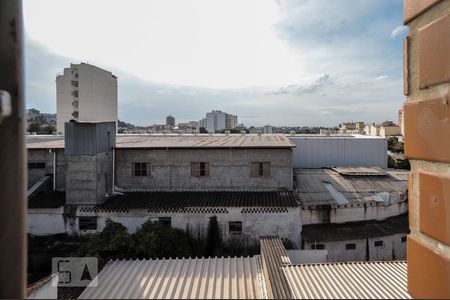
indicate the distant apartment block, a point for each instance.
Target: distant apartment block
{"x":385,"y":129}
{"x":351,"y":128}
{"x":170,"y":120}
{"x":218,"y":120}
{"x":85,"y":93}
{"x":401,"y":120}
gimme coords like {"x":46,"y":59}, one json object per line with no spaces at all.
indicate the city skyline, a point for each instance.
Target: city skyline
{"x":347,"y":76}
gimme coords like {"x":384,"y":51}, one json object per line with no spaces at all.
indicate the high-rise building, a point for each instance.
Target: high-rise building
{"x":85,"y":93}
{"x":401,"y":120}
{"x":170,"y":120}
{"x":218,"y":120}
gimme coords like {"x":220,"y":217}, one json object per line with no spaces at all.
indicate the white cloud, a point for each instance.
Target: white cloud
{"x":399,"y":31}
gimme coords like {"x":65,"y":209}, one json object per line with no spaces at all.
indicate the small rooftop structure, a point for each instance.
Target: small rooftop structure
{"x":177,"y":201}
{"x":147,"y":141}
{"x":194,"y":278}
{"x":341,"y":186}
{"x":354,"y":280}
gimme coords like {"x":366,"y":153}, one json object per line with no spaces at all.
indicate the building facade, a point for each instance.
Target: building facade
{"x":170,"y":120}
{"x":85,"y":93}
{"x":218,"y":120}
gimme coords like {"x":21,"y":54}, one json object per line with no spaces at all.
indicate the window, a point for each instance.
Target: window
{"x":36,"y":165}
{"x":166,"y":221}
{"x":75,"y":93}
{"x":351,"y":246}
{"x":235,"y":227}
{"x":140,"y":169}
{"x":75,"y":83}
{"x":403,"y":239}
{"x":318,"y":246}
{"x":75,"y":114}
{"x":75,"y":104}
{"x":76,"y":75}
{"x":378,"y":243}
{"x":87,"y":223}
{"x":260,"y":169}
{"x":199,"y":169}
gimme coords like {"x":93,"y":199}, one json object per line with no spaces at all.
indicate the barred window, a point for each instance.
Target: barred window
{"x":87,"y":223}
{"x":378,"y":243}
{"x":260,"y":169}
{"x":351,"y":246}
{"x":235,"y":227}
{"x":318,"y":247}
{"x":199,"y":169}
{"x":140,"y":169}
{"x":75,"y":83}
{"x":36,"y":165}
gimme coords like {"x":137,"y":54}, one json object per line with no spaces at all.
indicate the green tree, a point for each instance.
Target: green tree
{"x":158,"y":240}
{"x":49,"y":129}
{"x":214,"y":238}
{"x":35,"y":126}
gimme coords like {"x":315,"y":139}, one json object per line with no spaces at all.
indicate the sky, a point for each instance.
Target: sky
{"x":277,"y":62}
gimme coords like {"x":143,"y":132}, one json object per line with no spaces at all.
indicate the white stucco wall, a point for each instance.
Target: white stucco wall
{"x":353,"y":214}
{"x":393,"y":249}
{"x":46,"y":221}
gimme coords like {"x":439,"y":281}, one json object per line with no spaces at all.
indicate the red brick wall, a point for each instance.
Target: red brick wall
{"x":427,"y":145}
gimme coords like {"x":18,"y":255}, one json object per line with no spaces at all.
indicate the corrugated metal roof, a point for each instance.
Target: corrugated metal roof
{"x":273,"y":257}
{"x":355,"y":230}
{"x":176,"y":201}
{"x":355,"y":280}
{"x":178,"y":141}
{"x":312,"y":190}
{"x":204,"y":278}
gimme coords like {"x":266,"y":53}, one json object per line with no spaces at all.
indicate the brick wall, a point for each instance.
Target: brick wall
{"x":427,"y":145}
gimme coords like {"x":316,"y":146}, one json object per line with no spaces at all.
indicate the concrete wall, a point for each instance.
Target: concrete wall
{"x":46,"y":221}
{"x":319,"y":152}
{"x":373,"y":211}
{"x":89,"y":178}
{"x":45,"y":156}
{"x":393,"y":249}
{"x":228,"y":169}
{"x":283,"y":224}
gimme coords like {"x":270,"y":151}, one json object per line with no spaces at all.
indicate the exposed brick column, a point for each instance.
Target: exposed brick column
{"x":427,"y":145}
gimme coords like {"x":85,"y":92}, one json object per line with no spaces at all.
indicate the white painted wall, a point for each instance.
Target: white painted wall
{"x":345,"y":151}
{"x":355,"y":213}
{"x":393,"y":249}
{"x":46,"y":221}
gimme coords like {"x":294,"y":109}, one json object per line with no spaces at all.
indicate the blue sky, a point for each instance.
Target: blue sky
{"x":278,"y":62}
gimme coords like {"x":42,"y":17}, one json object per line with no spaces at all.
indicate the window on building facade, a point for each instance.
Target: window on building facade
{"x":260,"y":169}
{"x":140,"y":169}
{"x":199,"y":169}
{"x":87,"y":223}
{"x":318,"y":246}
{"x":166,"y":221}
{"x":75,"y":114}
{"x":36,"y":165}
{"x":378,"y":243}
{"x":75,"y":83}
{"x":351,"y":246}
{"x":235,"y":227}
{"x":75,"y":93}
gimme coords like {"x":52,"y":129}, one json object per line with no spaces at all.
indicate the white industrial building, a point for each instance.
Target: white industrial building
{"x":85,"y":93}
{"x":318,"y":151}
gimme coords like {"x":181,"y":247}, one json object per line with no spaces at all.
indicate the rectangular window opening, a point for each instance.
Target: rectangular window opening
{"x":199,"y":169}
{"x":318,"y":247}
{"x":350,"y":246}
{"x":87,"y":223}
{"x":260,"y":169}
{"x":166,"y":221}
{"x":235,"y":227}
{"x":378,"y":243}
{"x":36,"y":165}
{"x":140,"y":169}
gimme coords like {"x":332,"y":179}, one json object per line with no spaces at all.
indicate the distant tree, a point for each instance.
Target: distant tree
{"x":213,"y":238}
{"x":35,"y":126}
{"x":49,"y":129}
{"x":203,"y":130}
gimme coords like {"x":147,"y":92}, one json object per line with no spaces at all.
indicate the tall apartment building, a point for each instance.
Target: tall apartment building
{"x":218,"y":120}
{"x":170,"y":120}
{"x":85,"y":93}
{"x":401,"y":120}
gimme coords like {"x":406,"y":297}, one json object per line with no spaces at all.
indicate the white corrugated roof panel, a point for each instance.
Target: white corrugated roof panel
{"x":356,"y":280}
{"x":202,"y":278}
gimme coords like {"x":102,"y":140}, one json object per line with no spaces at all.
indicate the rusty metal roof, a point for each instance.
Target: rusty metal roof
{"x":203,"y":278}
{"x":354,"y":280}
{"x":177,"y":201}
{"x":144,"y":141}
{"x":327,"y":186}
